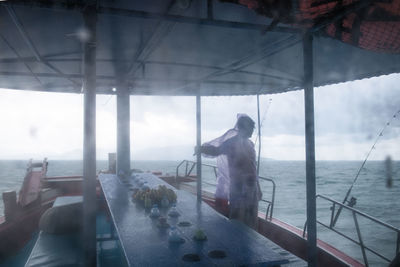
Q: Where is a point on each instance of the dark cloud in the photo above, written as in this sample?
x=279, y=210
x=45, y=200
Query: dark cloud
x=362, y=107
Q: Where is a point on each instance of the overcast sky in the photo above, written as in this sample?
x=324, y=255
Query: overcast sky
x=348, y=119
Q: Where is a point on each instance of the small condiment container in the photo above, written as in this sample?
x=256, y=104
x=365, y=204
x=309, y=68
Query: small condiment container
x=174, y=235
x=164, y=202
x=147, y=202
x=155, y=212
x=173, y=211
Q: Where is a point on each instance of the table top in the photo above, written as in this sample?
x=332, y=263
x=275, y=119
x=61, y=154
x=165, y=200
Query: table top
x=145, y=243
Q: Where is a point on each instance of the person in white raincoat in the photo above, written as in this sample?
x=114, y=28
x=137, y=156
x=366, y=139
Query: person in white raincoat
x=237, y=180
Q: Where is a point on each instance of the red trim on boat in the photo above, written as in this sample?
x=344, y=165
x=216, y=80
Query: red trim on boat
x=321, y=244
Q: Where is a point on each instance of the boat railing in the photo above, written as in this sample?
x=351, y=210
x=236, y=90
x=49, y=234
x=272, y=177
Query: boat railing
x=356, y=214
x=189, y=166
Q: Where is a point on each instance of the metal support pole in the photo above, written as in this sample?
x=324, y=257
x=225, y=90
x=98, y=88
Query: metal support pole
x=310, y=150
x=198, y=143
x=259, y=134
x=210, y=9
x=89, y=140
x=123, y=131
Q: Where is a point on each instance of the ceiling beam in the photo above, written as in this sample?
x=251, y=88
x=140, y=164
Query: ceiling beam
x=252, y=58
x=112, y=78
x=179, y=64
x=20, y=59
x=161, y=30
x=30, y=44
x=23, y=33
x=76, y=5
x=193, y=20
x=50, y=75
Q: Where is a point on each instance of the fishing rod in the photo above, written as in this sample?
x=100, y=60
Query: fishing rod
x=258, y=137
x=352, y=201
x=260, y=123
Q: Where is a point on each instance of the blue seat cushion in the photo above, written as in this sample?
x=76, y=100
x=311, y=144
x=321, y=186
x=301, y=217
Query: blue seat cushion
x=56, y=250
x=59, y=241
x=64, y=217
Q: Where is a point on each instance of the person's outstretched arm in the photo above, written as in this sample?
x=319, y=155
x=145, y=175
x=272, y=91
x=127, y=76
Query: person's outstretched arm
x=210, y=150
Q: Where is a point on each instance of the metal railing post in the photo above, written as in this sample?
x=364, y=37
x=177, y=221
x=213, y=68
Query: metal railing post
x=191, y=168
x=331, y=224
x=266, y=214
x=360, y=239
x=364, y=248
x=273, y=197
x=177, y=168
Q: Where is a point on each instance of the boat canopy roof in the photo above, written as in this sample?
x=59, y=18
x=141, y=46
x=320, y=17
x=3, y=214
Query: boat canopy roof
x=186, y=47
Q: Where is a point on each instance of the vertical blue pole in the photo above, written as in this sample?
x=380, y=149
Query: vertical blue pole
x=89, y=139
x=123, y=130
x=198, y=143
x=310, y=150
x=259, y=134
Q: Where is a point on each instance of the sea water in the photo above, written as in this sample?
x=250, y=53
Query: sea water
x=333, y=179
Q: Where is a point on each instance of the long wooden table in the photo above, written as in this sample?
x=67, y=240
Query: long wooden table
x=145, y=243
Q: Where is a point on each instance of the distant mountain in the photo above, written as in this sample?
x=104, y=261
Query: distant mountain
x=159, y=153
x=77, y=154
x=267, y=159
x=164, y=153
